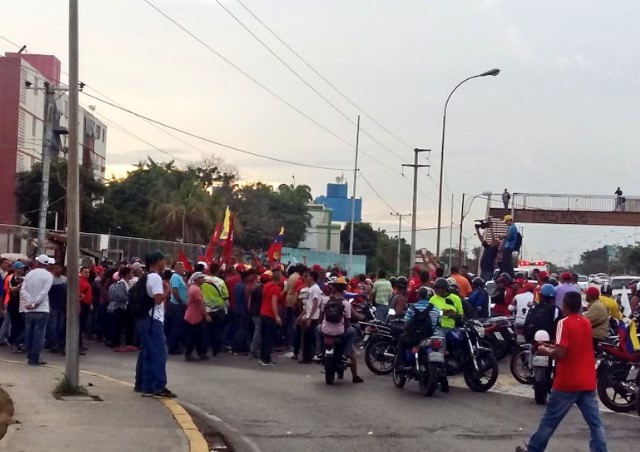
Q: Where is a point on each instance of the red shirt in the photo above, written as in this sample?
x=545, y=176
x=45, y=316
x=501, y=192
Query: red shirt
x=268, y=292
x=231, y=284
x=85, y=291
x=577, y=370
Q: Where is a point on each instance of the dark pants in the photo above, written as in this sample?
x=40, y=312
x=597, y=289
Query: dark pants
x=289, y=333
x=268, y=328
x=151, y=373
x=215, y=331
x=194, y=338
x=17, y=324
x=507, y=261
x=56, y=328
x=306, y=340
x=175, y=319
x=35, y=329
x=85, y=314
x=120, y=323
x=241, y=336
x=230, y=327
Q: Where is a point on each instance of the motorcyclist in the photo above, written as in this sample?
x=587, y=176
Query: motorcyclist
x=479, y=298
x=451, y=306
x=454, y=289
x=343, y=329
x=608, y=302
x=502, y=298
x=399, y=300
x=543, y=315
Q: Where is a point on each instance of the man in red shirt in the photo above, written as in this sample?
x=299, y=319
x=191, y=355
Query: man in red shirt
x=86, y=303
x=270, y=318
x=575, y=379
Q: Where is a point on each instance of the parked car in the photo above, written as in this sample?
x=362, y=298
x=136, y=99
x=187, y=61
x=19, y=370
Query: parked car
x=620, y=284
x=601, y=278
x=583, y=281
x=592, y=278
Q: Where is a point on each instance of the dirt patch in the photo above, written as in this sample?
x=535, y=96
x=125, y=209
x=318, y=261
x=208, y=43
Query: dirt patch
x=6, y=411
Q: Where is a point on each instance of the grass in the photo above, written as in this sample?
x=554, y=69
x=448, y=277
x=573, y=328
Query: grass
x=6, y=411
x=65, y=388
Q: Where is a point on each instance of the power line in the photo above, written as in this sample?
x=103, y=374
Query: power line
x=376, y=192
x=321, y=76
x=208, y=140
x=302, y=79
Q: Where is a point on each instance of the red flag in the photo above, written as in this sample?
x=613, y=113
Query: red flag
x=275, y=250
x=208, y=256
x=187, y=265
x=227, y=251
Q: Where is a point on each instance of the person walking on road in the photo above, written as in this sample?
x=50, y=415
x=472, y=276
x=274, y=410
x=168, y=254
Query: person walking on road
x=575, y=379
x=34, y=295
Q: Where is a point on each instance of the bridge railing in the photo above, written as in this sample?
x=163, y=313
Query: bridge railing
x=583, y=203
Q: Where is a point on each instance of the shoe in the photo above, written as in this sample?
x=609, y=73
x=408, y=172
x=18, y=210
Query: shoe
x=165, y=393
x=203, y=358
x=38, y=363
x=317, y=358
x=146, y=394
x=81, y=353
x=294, y=357
x=272, y=363
x=190, y=358
x=522, y=449
x=131, y=348
x=119, y=349
x=357, y=379
x=263, y=363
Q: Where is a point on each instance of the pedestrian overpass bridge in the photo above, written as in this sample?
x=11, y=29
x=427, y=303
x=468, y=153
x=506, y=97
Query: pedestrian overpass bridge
x=593, y=210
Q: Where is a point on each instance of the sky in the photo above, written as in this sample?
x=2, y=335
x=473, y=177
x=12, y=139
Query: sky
x=560, y=118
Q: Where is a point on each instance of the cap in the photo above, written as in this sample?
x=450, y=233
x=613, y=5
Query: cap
x=137, y=265
x=51, y=261
x=99, y=269
x=266, y=276
x=203, y=263
x=521, y=281
x=197, y=275
x=316, y=268
x=529, y=287
x=566, y=276
x=43, y=259
x=340, y=280
x=592, y=292
x=547, y=290
x=507, y=218
x=239, y=268
x=543, y=274
x=18, y=265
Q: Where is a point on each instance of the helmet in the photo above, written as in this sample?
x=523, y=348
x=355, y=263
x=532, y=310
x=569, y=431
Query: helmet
x=441, y=283
x=606, y=289
x=453, y=285
x=402, y=282
x=477, y=282
x=548, y=290
x=425, y=293
x=507, y=278
x=541, y=336
x=553, y=282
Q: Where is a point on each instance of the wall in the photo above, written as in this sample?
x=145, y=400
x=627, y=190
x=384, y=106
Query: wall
x=324, y=258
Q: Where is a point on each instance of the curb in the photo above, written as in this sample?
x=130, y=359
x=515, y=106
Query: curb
x=197, y=442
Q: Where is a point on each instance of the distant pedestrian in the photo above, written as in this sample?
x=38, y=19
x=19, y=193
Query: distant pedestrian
x=216, y=300
x=381, y=293
x=34, y=296
x=195, y=318
x=56, y=326
x=506, y=197
x=619, y=200
x=270, y=317
x=574, y=381
x=15, y=308
x=176, y=309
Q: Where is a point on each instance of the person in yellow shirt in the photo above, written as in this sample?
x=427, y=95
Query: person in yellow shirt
x=612, y=305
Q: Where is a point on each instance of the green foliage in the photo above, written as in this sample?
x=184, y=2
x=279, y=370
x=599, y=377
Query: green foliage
x=380, y=249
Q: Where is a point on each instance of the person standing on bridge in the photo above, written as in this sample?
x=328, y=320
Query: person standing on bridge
x=509, y=245
x=619, y=200
x=506, y=197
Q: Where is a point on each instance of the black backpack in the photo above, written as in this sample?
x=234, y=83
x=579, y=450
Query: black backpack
x=518, y=244
x=334, y=310
x=420, y=325
x=540, y=317
x=139, y=301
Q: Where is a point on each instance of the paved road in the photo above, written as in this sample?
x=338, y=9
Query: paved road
x=289, y=408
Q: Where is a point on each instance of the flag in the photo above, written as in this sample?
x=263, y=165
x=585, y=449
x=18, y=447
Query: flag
x=226, y=224
x=227, y=250
x=275, y=250
x=624, y=302
x=208, y=255
x=187, y=265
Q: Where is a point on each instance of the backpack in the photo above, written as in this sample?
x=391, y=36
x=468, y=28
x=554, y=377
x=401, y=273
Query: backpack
x=420, y=326
x=334, y=310
x=139, y=301
x=518, y=244
x=540, y=317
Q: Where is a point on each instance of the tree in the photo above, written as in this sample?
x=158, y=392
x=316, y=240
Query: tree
x=593, y=261
x=380, y=249
x=455, y=256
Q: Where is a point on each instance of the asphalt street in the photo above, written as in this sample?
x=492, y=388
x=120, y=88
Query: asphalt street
x=289, y=408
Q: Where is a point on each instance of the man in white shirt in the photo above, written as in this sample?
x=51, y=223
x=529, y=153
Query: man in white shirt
x=312, y=304
x=151, y=372
x=34, y=295
x=522, y=303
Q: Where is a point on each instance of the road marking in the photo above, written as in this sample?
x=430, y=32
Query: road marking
x=197, y=443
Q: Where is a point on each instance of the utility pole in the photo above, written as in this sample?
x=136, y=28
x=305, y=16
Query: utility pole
x=353, y=199
x=72, y=371
x=47, y=143
x=415, y=167
x=460, y=237
x=451, y=233
x=399, y=215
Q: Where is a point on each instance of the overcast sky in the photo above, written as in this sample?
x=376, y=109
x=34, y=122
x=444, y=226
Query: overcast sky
x=562, y=116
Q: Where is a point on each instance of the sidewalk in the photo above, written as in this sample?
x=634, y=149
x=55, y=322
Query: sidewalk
x=121, y=421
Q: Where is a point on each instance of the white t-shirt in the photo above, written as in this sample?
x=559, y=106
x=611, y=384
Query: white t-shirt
x=524, y=301
x=154, y=287
x=314, y=293
x=35, y=289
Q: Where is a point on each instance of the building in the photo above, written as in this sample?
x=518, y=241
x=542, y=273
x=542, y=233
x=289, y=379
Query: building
x=339, y=202
x=22, y=110
x=323, y=234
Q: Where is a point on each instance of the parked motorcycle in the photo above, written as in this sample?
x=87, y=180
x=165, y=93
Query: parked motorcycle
x=521, y=366
x=499, y=336
x=381, y=345
x=618, y=375
x=465, y=355
x=424, y=363
x=333, y=361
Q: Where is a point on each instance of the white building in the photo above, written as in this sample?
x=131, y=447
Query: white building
x=322, y=234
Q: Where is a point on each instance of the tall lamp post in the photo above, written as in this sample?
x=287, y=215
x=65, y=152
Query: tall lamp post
x=493, y=72
x=463, y=215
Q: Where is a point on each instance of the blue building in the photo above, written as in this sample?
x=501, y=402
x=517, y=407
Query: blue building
x=339, y=202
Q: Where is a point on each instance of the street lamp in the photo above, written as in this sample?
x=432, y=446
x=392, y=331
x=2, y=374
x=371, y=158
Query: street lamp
x=492, y=72
x=463, y=215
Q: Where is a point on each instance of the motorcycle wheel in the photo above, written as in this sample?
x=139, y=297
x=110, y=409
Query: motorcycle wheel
x=520, y=367
x=428, y=379
x=399, y=377
x=540, y=386
x=374, y=356
x=638, y=402
x=613, y=391
x=483, y=380
x=329, y=373
x=500, y=349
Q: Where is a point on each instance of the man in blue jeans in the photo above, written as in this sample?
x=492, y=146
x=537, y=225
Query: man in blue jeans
x=34, y=295
x=575, y=379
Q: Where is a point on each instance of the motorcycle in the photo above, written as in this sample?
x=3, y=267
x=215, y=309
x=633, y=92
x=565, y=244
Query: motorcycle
x=333, y=361
x=543, y=369
x=499, y=336
x=424, y=363
x=465, y=355
x=381, y=341
x=521, y=366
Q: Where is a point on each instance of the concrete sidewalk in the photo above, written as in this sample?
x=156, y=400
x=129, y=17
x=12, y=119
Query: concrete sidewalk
x=117, y=420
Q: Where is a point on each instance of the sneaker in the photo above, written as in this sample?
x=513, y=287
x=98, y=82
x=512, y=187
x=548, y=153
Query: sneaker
x=522, y=449
x=37, y=363
x=263, y=363
x=357, y=379
x=165, y=393
x=272, y=363
x=317, y=358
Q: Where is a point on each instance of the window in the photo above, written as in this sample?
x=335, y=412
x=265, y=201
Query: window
x=104, y=133
x=98, y=129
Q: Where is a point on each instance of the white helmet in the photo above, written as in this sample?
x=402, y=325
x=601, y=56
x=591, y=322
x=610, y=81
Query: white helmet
x=541, y=336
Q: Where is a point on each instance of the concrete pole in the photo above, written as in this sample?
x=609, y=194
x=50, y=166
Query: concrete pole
x=353, y=200
x=47, y=142
x=72, y=371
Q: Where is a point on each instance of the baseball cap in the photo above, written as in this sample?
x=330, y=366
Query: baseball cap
x=197, y=275
x=507, y=218
x=137, y=265
x=266, y=276
x=529, y=287
x=565, y=276
x=521, y=281
x=18, y=265
x=99, y=269
x=51, y=261
x=43, y=259
x=239, y=268
x=316, y=268
x=543, y=274
x=592, y=292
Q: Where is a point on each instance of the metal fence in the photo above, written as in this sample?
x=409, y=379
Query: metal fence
x=584, y=203
x=23, y=240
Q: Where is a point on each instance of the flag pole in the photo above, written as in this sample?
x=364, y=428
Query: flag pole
x=353, y=199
